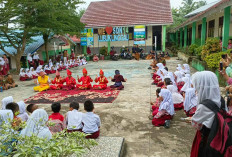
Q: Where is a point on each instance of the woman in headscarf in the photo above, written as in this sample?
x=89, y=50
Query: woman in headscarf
x=190, y=102
x=29, y=74
x=207, y=87
x=176, y=97
x=39, y=68
x=157, y=74
x=164, y=73
x=34, y=73
x=166, y=109
x=22, y=111
x=186, y=69
x=36, y=125
x=6, y=101
x=187, y=84
x=43, y=82
x=30, y=60
x=118, y=79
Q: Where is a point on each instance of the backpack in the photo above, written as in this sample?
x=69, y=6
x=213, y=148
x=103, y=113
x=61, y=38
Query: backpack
x=219, y=142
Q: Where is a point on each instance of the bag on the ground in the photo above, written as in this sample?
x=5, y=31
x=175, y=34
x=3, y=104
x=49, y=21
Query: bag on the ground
x=219, y=142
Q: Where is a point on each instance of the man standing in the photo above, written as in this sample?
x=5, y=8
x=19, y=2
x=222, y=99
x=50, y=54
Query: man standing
x=6, y=66
x=65, y=56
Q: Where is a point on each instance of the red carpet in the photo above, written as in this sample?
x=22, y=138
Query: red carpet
x=80, y=96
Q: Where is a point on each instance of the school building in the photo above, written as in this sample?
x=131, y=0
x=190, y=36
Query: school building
x=211, y=20
x=120, y=23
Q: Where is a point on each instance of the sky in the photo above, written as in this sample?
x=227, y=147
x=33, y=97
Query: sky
x=174, y=3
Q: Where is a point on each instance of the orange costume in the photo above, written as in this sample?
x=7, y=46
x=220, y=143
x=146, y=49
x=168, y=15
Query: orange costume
x=102, y=81
x=57, y=83
x=70, y=81
x=85, y=81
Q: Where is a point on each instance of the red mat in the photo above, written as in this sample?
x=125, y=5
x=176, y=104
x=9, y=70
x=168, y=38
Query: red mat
x=80, y=96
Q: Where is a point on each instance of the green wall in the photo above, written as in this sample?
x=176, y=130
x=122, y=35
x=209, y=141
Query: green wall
x=52, y=53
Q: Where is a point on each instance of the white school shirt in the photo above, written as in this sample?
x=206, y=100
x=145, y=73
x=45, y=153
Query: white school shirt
x=91, y=122
x=74, y=120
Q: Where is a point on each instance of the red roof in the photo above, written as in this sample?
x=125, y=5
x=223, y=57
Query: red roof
x=127, y=13
x=75, y=39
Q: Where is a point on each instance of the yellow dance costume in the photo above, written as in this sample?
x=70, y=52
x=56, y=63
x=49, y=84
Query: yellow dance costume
x=43, y=84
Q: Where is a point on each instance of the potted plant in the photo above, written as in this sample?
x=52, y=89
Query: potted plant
x=103, y=52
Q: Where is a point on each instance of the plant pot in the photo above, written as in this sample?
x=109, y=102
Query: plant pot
x=101, y=57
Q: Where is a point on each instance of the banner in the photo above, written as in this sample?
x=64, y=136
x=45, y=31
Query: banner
x=113, y=34
x=83, y=41
x=139, y=35
x=87, y=37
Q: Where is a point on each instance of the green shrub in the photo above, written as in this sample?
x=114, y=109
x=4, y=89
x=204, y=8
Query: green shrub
x=192, y=49
x=198, y=52
x=212, y=45
x=198, y=42
x=103, y=51
x=213, y=60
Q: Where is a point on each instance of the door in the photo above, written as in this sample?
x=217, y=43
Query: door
x=157, y=33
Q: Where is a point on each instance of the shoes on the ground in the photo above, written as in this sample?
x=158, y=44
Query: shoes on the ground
x=149, y=68
x=153, y=83
x=150, y=117
x=167, y=124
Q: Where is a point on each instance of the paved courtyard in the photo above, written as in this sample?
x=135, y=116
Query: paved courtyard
x=128, y=115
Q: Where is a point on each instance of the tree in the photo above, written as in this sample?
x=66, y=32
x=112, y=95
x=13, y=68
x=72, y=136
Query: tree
x=179, y=13
x=16, y=27
x=58, y=17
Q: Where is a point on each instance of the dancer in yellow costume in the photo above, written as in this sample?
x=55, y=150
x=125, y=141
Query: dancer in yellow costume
x=43, y=81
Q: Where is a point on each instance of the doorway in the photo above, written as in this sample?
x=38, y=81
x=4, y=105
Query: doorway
x=157, y=33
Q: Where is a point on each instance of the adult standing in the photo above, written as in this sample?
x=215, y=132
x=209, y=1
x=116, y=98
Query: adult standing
x=6, y=66
x=36, y=60
x=30, y=60
x=207, y=87
x=2, y=62
x=65, y=56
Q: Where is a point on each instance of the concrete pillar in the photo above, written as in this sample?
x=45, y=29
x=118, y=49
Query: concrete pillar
x=163, y=38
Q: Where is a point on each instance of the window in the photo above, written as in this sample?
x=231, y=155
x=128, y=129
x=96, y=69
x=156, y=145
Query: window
x=199, y=30
x=220, y=28
x=131, y=33
x=95, y=31
x=211, y=28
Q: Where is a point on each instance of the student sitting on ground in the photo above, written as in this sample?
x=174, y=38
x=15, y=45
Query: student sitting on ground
x=10, y=81
x=165, y=112
x=86, y=81
x=31, y=108
x=190, y=102
x=6, y=101
x=74, y=118
x=34, y=73
x=179, y=81
x=47, y=70
x=91, y=121
x=56, y=118
x=15, y=109
x=3, y=84
x=176, y=97
x=155, y=104
x=23, y=76
x=22, y=111
x=36, y=125
x=118, y=79
x=102, y=81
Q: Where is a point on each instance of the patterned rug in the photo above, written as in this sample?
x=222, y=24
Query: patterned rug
x=61, y=96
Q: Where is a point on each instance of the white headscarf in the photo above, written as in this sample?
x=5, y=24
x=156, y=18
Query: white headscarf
x=6, y=101
x=167, y=103
x=190, y=100
x=165, y=73
x=22, y=73
x=5, y=115
x=36, y=125
x=178, y=76
x=172, y=78
x=22, y=109
x=36, y=56
x=186, y=68
x=57, y=66
x=28, y=72
x=160, y=66
x=187, y=85
x=33, y=72
x=46, y=67
x=29, y=58
x=2, y=62
x=207, y=87
x=50, y=63
x=177, y=98
x=39, y=68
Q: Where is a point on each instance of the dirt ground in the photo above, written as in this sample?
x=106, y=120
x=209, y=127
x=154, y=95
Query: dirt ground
x=128, y=115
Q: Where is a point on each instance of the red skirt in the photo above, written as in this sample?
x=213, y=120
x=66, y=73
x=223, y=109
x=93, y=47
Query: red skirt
x=191, y=112
x=79, y=130
x=161, y=121
x=196, y=144
x=160, y=84
x=178, y=106
x=23, y=78
x=93, y=135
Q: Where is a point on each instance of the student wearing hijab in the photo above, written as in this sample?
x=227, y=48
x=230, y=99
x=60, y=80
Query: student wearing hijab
x=23, y=76
x=47, y=69
x=176, y=97
x=30, y=60
x=39, y=68
x=6, y=101
x=36, y=125
x=179, y=80
x=164, y=114
x=164, y=73
x=118, y=79
x=207, y=87
x=186, y=69
x=29, y=74
x=34, y=73
x=190, y=102
x=187, y=84
x=157, y=74
x=22, y=111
